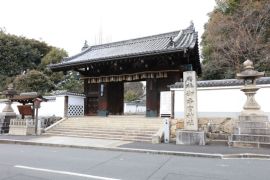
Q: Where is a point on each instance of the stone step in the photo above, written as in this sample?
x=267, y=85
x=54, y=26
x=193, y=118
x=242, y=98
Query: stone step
x=137, y=139
x=252, y=124
x=249, y=144
x=254, y=118
x=108, y=125
x=110, y=128
x=104, y=134
x=251, y=138
x=93, y=129
x=111, y=124
x=103, y=128
x=114, y=120
x=252, y=131
x=118, y=123
x=126, y=133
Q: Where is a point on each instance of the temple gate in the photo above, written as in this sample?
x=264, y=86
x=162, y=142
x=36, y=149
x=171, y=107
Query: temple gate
x=159, y=60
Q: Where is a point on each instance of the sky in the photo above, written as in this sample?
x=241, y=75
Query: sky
x=68, y=23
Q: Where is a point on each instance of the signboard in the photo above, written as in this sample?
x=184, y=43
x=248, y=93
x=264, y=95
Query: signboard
x=165, y=104
x=25, y=110
x=190, y=101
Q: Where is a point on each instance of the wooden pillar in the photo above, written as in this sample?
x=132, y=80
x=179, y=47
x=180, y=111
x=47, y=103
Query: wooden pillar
x=152, y=104
x=65, y=106
x=85, y=86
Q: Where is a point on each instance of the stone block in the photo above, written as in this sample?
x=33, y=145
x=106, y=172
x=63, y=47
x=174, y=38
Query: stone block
x=254, y=131
x=151, y=113
x=22, y=130
x=252, y=124
x=253, y=118
x=190, y=137
x=251, y=138
x=156, y=139
x=103, y=113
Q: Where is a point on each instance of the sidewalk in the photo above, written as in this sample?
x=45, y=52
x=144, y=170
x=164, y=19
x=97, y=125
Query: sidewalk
x=213, y=150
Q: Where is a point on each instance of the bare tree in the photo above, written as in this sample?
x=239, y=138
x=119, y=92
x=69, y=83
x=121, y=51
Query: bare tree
x=237, y=30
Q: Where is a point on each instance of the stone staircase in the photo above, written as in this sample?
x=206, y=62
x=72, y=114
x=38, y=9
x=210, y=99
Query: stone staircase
x=128, y=128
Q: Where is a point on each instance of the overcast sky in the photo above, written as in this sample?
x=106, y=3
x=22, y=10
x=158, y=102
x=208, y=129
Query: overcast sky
x=67, y=23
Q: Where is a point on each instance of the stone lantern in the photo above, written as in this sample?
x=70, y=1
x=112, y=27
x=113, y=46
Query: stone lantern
x=9, y=93
x=252, y=127
x=7, y=113
x=249, y=75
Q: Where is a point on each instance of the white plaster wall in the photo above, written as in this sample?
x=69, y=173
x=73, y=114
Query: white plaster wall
x=52, y=107
x=49, y=108
x=76, y=100
x=132, y=108
x=221, y=101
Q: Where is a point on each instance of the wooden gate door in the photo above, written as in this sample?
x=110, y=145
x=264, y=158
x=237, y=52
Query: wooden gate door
x=92, y=104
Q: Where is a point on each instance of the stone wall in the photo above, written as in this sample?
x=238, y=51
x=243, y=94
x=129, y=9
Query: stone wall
x=215, y=127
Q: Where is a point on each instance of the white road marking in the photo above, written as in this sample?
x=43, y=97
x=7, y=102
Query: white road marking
x=64, y=172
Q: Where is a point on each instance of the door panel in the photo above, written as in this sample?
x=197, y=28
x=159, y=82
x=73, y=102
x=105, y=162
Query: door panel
x=92, y=104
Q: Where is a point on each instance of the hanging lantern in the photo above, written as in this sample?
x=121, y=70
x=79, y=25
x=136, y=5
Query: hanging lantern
x=143, y=76
x=135, y=77
x=111, y=79
x=129, y=78
x=93, y=80
x=120, y=78
x=165, y=75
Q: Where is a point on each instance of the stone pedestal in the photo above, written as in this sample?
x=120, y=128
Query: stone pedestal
x=190, y=137
x=252, y=131
x=5, y=121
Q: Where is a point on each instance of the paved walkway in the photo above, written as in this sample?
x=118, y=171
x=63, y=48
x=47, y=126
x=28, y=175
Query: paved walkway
x=214, y=150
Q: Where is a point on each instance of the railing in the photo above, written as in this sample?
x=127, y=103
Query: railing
x=22, y=122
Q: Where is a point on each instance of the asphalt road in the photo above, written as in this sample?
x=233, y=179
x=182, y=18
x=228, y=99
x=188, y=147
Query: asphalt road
x=21, y=162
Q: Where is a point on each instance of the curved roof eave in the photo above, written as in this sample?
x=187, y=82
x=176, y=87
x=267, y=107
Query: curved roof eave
x=66, y=65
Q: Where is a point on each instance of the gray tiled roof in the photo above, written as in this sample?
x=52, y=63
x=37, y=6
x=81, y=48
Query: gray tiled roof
x=162, y=43
x=224, y=82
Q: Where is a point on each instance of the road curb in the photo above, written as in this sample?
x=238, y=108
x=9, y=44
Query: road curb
x=149, y=151
x=246, y=156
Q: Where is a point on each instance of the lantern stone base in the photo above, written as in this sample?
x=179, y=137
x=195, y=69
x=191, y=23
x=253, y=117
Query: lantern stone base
x=190, y=137
x=5, y=121
x=251, y=131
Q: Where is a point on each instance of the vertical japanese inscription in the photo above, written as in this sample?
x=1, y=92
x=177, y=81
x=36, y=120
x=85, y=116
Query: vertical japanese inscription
x=190, y=101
